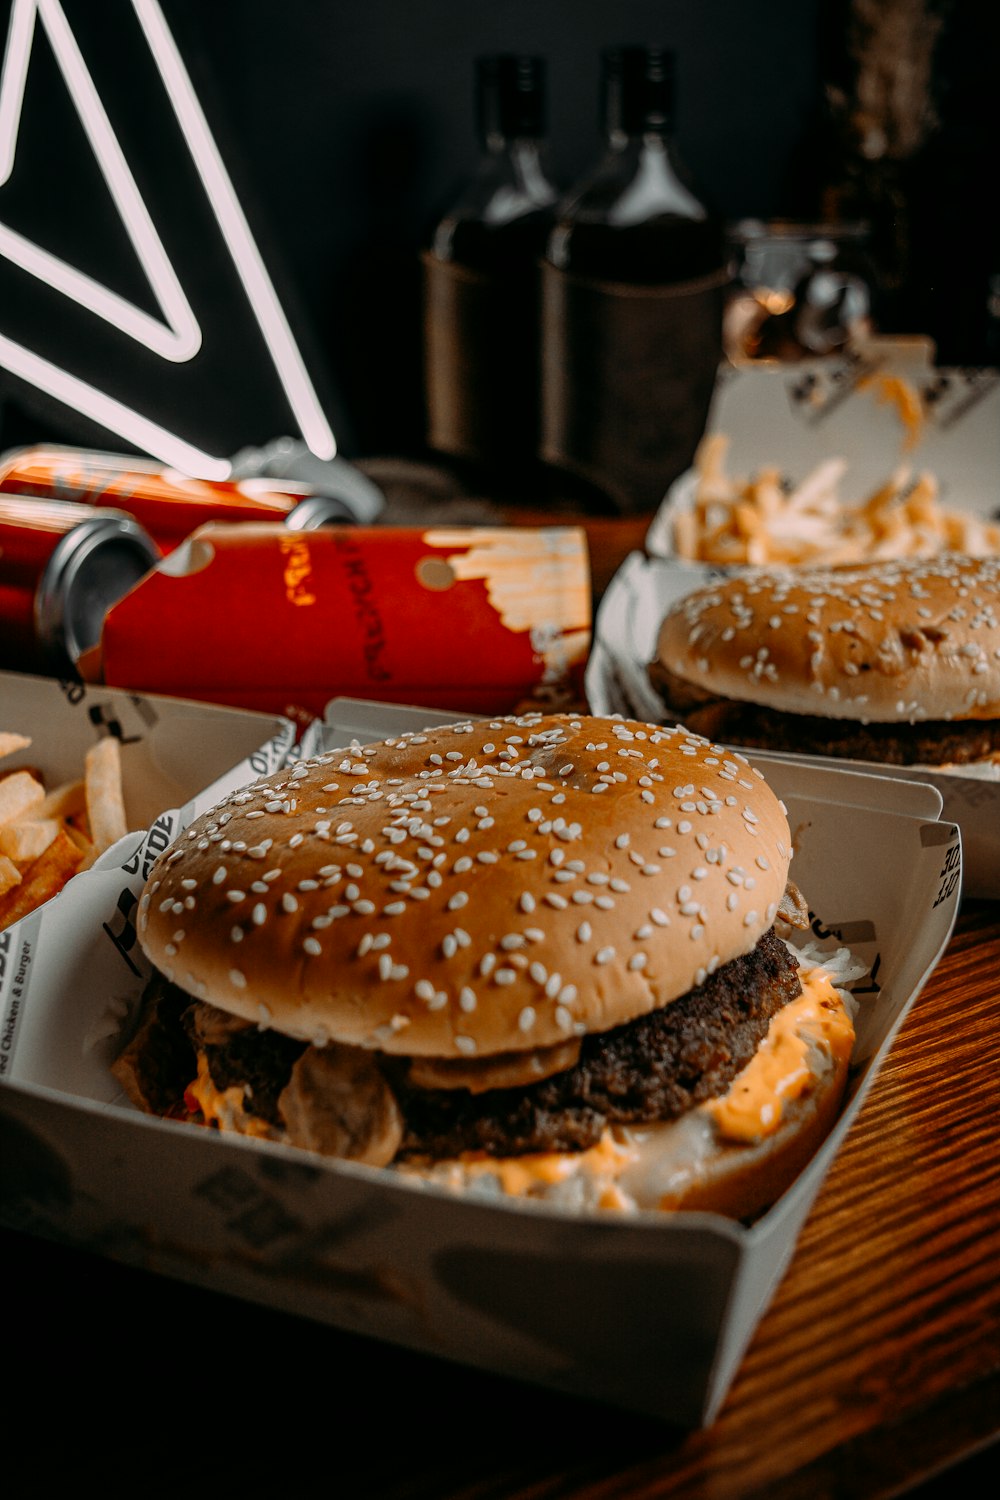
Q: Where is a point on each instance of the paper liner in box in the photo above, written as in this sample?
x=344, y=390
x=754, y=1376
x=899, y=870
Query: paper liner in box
x=467, y=618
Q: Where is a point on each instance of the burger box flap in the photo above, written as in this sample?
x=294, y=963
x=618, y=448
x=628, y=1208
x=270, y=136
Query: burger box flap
x=794, y=416
x=175, y=753
x=652, y=1312
x=617, y=681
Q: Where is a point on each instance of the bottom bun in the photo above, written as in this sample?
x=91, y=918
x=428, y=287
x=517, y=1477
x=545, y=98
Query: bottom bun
x=735, y=1155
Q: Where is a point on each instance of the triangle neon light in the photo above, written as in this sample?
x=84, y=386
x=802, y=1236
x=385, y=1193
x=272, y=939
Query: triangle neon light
x=178, y=337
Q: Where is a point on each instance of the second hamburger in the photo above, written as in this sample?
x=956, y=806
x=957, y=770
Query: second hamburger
x=896, y=662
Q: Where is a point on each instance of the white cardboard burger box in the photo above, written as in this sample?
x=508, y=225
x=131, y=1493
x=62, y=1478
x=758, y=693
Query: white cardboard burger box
x=652, y=1312
x=617, y=681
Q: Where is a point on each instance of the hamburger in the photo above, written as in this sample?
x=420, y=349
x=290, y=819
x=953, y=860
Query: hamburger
x=897, y=662
x=534, y=955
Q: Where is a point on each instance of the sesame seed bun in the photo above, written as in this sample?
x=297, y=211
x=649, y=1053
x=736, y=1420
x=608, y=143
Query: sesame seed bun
x=897, y=642
x=487, y=887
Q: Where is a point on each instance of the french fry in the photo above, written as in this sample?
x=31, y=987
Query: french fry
x=20, y=794
x=26, y=839
x=66, y=801
x=10, y=743
x=105, y=801
x=48, y=835
x=43, y=878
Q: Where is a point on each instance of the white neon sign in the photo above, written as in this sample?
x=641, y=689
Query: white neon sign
x=177, y=337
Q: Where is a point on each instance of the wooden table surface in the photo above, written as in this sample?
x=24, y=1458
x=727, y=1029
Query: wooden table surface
x=876, y=1367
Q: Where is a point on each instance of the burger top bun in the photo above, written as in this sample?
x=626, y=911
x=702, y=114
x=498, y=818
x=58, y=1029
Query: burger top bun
x=896, y=641
x=491, y=886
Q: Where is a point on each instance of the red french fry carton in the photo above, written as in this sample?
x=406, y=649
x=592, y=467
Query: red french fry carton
x=467, y=619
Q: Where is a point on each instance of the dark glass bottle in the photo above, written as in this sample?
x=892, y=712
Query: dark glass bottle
x=481, y=279
x=633, y=286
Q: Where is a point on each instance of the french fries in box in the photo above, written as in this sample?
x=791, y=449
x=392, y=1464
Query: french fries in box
x=763, y=519
x=877, y=454
x=47, y=836
x=82, y=767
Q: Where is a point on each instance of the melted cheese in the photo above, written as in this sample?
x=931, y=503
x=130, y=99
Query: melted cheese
x=779, y=1071
x=651, y=1166
x=224, y=1108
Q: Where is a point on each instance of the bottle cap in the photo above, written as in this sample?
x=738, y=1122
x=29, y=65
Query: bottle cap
x=638, y=90
x=510, y=92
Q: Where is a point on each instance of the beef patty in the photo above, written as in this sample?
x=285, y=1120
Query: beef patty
x=653, y=1068
x=929, y=742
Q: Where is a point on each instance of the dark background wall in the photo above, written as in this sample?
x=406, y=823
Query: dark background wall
x=347, y=124
x=358, y=121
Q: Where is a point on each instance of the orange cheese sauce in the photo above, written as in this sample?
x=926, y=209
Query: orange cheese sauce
x=521, y=1175
x=779, y=1070
x=221, y=1107
x=636, y=1166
